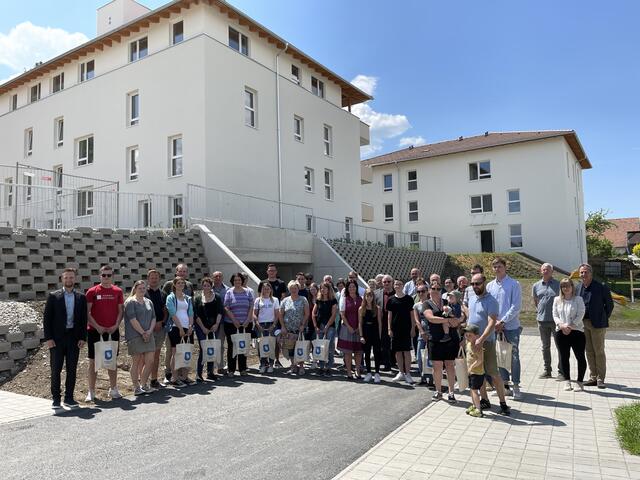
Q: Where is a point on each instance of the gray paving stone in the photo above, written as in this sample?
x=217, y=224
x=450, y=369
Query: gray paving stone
x=6, y=365
x=18, y=354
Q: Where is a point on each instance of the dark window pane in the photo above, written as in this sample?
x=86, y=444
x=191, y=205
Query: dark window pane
x=487, y=203
x=473, y=171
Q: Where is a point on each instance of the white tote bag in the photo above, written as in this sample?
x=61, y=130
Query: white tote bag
x=106, y=354
x=427, y=367
x=462, y=373
x=503, y=352
x=211, y=350
x=184, y=354
x=320, y=350
x=241, y=342
x=267, y=344
x=301, y=350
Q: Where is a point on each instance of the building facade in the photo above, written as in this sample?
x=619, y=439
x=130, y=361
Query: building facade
x=193, y=93
x=497, y=192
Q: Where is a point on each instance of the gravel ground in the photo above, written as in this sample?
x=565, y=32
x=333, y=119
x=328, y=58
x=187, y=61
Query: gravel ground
x=15, y=313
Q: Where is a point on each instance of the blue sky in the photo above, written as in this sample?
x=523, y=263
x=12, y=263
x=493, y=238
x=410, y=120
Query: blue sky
x=443, y=69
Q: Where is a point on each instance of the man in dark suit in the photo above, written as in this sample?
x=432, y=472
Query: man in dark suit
x=598, y=307
x=65, y=331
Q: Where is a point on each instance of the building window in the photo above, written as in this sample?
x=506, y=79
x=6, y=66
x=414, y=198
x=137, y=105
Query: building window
x=58, y=83
x=177, y=220
x=298, y=128
x=414, y=239
x=515, y=236
x=57, y=178
x=387, y=182
x=13, y=102
x=309, y=219
x=87, y=70
x=144, y=214
x=513, y=197
x=348, y=228
x=295, y=74
x=175, y=156
x=28, y=142
x=479, y=170
x=238, y=41
x=308, y=180
x=177, y=32
x=250, y=108
x=412, y=180
x=84, y=202
x=58, y=128
x=317, y=87
x=138, y=49
x=413, y=211
x=389, y=240
x=132, y=164
x=85, y=151
x=8, y=192
x=133, y=108
x=327, y=137
x=28, y=182
x=388, y=212
x=328, y=184
x=35, y=93
x=481, y=204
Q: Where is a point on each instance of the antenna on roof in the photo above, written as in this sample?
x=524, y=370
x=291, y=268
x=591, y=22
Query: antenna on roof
x=460, y=138
x=486, y=134
x=410, y=147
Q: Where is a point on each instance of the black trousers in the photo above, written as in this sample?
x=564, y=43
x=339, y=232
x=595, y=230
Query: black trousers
x=372, y=342
x=66, y=352
x=230, y=329
x=574, y=341
x=387, y=357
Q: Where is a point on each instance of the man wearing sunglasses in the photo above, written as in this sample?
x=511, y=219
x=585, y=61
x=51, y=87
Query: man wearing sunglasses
x=105, y=308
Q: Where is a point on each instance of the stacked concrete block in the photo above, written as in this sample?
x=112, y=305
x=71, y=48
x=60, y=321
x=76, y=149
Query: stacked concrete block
x=397, y=262
x=31, y=260
x=15, y=346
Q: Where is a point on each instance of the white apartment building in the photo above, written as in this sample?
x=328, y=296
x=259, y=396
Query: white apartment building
x=192, y=93
x=502, y=192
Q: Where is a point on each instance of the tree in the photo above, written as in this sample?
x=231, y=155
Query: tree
x=596, y=225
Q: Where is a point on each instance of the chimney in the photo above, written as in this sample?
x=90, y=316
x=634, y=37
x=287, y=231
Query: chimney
x=486, y=134
x=117, y=13
x=460, y=138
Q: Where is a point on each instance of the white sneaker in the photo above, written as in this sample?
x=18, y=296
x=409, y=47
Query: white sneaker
x=138, y=391
x=409, y=379
x=579, y=387
x=568, y=387
x=367, y=378
x=517, y=394
x=149, y=389
x=114, y=393
x=91, y=397
x=376, y=378
x=399, y=377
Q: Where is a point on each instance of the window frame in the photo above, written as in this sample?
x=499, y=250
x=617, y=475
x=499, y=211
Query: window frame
x=348, y=228
x=251, y=110
x=309, y=222
x=8, y=192
x=329, y=193
x=413, y=212
x=13, y=102
x=513, y=236
x=386, y=189
x=131, y=120
x=389, y=240
x=411, y=181
x=58, y=132
x=58, y=178
x=309, y=180
x=145, y=209
x=414, y=239
x=27, y=180
x=176, y=220
x=387, y=218
x=85, y=73
x=177, y=38
x=28, y=142
x=296, y=77
x=243, y=41
x=88, y=202
x=298, y=128
x=88, y=160
x=176, y=159
x=318, y=89
x=60, y=81
x=327, y=140
x=137, y=50
x=481, y=209
x=131, y=175
x=514, y=202
x=476, y=172
x=38, y=92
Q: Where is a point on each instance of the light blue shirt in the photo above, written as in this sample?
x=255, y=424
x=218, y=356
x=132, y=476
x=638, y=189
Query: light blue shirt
x=409, y=288
x=69, y=302
x=480, y=309
x=509, y=296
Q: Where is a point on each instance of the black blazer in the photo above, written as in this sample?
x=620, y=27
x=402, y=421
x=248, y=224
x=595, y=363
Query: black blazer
x=55, y=316
x=600, y=304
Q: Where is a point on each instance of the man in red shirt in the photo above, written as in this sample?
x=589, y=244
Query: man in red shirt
x=105, y=308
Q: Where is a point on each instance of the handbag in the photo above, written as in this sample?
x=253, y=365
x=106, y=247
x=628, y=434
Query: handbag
x=320, y=350
x=301, y=349
x=211, y=349
x=241, y=342
x=106, y=354
x=462, y=373
x=427, y=367
x=184, y=354
x=503, y=352
x=267, y=346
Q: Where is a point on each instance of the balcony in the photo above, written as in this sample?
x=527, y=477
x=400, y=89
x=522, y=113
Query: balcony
x=366, y=174
x=367, y=212
x=364, y=134
x=479, y=219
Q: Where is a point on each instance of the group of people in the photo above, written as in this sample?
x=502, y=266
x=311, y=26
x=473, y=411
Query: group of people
x=387, y=321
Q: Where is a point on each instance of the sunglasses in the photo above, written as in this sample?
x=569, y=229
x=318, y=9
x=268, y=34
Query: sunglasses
x=476, y=284
x=435, y=289
x=421, y=291
x=106, y=275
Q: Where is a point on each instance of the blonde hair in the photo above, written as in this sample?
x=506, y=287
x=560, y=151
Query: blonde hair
x=567, y=281
x=330, y=295
x=363, y=306
x=132, y=294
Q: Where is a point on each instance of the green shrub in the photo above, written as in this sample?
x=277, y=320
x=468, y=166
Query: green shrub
x=628, y=428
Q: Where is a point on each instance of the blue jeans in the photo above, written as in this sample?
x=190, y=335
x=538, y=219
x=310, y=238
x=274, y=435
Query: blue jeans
x=513, y=337
x=331, y=334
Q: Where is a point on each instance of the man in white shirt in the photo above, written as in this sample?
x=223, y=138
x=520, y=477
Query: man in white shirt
x=410, y=286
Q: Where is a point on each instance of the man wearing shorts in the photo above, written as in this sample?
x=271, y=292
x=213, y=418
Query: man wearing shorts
x=105, y=309
x=158, y=298
x=483, y=312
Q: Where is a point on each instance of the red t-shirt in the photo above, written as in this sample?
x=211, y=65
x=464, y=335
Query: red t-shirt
x=104, y=304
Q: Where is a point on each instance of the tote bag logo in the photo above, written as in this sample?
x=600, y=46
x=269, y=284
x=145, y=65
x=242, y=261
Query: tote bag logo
x=318, y=350
x=241, y=344
x=210, y=351
x=266, y=348
x=300, y=351
x=108, y=354
x=187, y=356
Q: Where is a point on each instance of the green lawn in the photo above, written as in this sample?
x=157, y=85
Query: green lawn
x=628, y=429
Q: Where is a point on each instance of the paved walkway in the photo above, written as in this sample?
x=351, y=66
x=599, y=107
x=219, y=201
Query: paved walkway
x=551, y=433
x=21, y=407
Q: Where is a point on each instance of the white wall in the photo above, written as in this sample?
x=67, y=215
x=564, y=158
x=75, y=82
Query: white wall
x=537, y=169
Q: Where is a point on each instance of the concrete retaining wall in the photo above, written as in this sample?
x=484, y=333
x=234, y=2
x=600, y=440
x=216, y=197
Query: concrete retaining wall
x=15, y=346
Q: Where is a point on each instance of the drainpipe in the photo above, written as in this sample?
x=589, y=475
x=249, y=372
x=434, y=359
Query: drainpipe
x=399, y=200
x=279, y=146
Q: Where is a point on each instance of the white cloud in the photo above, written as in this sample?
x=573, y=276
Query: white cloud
x=382, y=126
x=408, y=141
x=26, y=44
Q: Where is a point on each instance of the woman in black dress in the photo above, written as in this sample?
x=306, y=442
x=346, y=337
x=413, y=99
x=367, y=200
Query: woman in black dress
x=441, y=351
x=400, y=323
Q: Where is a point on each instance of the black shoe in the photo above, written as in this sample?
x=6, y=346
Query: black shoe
x=70, y=403
x=211, y=376
x=451, y=398
x=504, y=409
x=156, y=384
x=327, y=373
x=560, y=377
x=199, y=379
x=56, y=405
x=445, y=339
x=167, y=376
x=590, y=383
x=545, y=374
x=485, y=404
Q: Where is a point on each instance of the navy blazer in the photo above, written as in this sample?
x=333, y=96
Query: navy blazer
x=600, y=304
x=55, y=316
